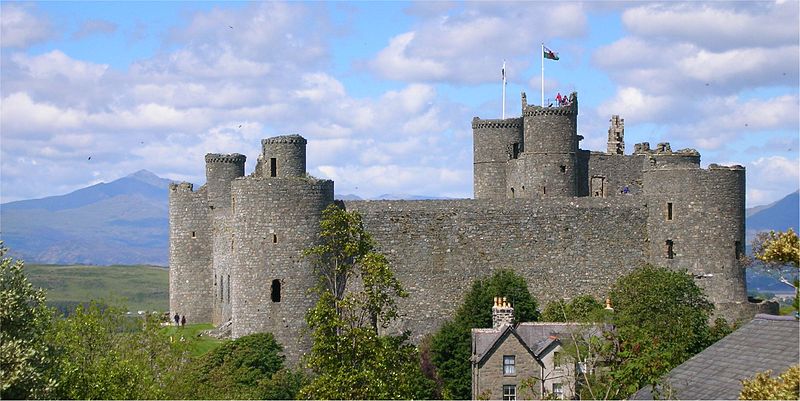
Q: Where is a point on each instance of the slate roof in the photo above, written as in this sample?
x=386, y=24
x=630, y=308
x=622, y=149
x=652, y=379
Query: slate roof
x=766, y=342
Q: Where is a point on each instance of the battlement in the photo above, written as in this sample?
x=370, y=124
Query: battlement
x=292, y=138
x=181, y=187
x=233, y=158
x=532, y=111
x=478, y=123
x=735, y=167
x=662, y=149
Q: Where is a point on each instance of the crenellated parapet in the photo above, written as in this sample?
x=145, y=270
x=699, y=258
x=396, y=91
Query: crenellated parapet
x=478, y=123
x=233, y=158
x=181, y=187
x=291, y=138
x=534, y=111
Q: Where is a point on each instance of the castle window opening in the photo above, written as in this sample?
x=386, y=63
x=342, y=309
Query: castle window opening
x=544, y=190
x=563, y=168
x=275, y=294
x=515, y=150
x=737, y=249
x=194, y=235
x=273, y=167
x=670, y=251
x=512, y=192
x=669, y=210
x=274, y=238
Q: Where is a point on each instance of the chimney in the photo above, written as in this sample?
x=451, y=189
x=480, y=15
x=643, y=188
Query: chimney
x=502, y=313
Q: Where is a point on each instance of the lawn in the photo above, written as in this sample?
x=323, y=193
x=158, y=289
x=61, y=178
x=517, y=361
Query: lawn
x=136, y=288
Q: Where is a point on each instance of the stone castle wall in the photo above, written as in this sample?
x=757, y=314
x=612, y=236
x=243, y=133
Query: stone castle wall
x=566, y=248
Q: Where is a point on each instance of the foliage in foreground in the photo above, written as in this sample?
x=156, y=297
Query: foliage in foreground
x=250, y=367
x=780, y=254
x=24, y=324
x=451, y=345
x=349, y=358
x=765, y=387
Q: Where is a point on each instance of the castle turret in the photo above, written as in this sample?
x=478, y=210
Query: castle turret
x=548, y=164
x=495, y=142
x=616, y=136
x=221, y=170
x=696, y=222
x=190, y=253
x=283, y=156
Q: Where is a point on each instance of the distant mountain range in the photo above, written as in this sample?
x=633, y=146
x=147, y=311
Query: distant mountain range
x=126, y=222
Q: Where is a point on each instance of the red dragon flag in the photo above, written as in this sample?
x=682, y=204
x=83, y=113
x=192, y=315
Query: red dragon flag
x=549, y=54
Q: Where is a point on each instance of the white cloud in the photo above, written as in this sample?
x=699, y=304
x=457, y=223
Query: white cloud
x=634, y=104
x=771, y=178
x=58, y=66
x=20, y=27
x=21, y=116
x=94, y=27
x=393, y=62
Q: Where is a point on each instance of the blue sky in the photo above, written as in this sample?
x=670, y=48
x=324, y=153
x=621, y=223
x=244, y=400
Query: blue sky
x=383, y=91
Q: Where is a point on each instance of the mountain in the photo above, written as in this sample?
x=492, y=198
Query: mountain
x=121, y=222
x=778, y=216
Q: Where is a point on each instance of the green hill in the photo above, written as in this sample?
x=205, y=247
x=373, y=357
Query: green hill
x=139, y=288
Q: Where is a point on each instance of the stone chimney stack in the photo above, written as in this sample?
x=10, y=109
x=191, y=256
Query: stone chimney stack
x=502, y=313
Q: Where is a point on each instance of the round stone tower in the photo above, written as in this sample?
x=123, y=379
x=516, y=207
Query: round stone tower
x=190, y=253
x=283, y=156
x=273, y=221
x=695, y=222
x=548, y=167
x=221, y=170
x=494, y=142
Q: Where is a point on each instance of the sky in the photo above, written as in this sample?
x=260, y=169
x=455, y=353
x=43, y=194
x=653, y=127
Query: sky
x=384, y=91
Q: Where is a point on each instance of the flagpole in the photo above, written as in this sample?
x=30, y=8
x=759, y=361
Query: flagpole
x=504, y=89
x=542, y=54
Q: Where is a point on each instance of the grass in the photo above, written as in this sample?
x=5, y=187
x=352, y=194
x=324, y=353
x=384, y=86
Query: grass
x=136, y=288
x=198, y=345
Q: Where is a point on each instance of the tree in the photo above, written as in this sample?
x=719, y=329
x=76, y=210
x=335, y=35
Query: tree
x=661, y=319
x=24, y=324
x=764, y=387
x=349, y=357
x=451, y=346
x=244, y=368
x=780, y=254
x=583, y=308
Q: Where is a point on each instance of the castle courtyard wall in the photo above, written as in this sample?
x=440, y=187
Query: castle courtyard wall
x=563, y=248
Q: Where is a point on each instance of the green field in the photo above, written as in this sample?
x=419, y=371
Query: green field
x=133, y=287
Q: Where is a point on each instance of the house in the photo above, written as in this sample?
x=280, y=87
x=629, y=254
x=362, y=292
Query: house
x=524, y=361
x=765, y=343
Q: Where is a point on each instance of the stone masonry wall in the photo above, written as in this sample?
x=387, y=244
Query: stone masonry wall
x=190, y=253
x=563, y=248
x=493, y=147
x=274, y=220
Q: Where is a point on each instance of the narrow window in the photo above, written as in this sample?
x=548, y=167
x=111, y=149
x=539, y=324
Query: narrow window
x=273, y=167
x=563, y=168
x=276, y=291
x=509, y=392
x=515, y=151
x=558, y=391
x=512, y=192
x=274, y=238
x=670, y=251
x=557, y=360
x=737, y=249
x=229, y=288
x=669, y=211
x=194, y=235
x=509, y=365
x=215, y=284
x=544, y=190
x=221, y=287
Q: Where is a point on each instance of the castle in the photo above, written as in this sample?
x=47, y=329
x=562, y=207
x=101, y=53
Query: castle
x=569, y=220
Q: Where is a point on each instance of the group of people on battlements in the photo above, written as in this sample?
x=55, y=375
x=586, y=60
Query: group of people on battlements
x=562, y=100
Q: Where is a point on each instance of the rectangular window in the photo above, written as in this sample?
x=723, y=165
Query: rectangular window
x=509, y=365
x=737, y=249
x=558, y=391
x=515, y=151
x=273, y=167
x=669, y=211
x=670, y=250
x=557, y=360
x=509, y=392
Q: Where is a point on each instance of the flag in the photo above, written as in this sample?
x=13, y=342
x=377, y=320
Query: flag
x=549, y=54
x=503, y=71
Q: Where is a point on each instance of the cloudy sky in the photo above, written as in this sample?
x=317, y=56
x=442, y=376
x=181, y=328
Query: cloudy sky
x=384, y=92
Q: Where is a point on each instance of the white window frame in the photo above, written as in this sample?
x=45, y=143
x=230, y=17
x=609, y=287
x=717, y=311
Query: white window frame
x=509, y=365
x=509, y=392
x=558, y=390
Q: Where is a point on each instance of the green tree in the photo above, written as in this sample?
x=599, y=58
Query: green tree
x=451, y=344
x=780, y=254
x=349, y=358
x=583, y=308
x=661, y=319
x=103, y=354
x=765, y=387
x=24, y=324
x=243, y=368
